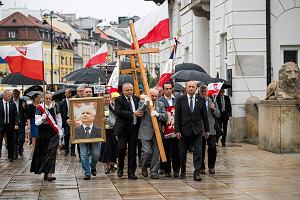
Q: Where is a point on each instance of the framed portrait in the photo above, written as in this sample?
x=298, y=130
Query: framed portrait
x=87, y=120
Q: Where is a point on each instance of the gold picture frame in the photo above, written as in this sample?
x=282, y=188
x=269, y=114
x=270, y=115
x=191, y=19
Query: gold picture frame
x=87, y=112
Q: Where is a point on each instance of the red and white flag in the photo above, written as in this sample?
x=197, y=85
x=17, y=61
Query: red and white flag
x=99, y=57
x=114, y=79
x=214, y=88
x=154, y=27
x=27, y=60
x=167, y=70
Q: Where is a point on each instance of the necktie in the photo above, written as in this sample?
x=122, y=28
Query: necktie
x=87, y=130
x=191, y=104
x=6, y=113
x=223, y=103
x=129, y=101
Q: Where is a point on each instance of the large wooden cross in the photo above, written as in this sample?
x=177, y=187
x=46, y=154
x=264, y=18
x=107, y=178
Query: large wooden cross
x=136, y=53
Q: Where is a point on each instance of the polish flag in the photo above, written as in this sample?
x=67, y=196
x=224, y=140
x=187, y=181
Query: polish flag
x=99, y=57
x=27, y=60
x=154, y=27
x=114, y=79
x=167, y=71
x=214, y=89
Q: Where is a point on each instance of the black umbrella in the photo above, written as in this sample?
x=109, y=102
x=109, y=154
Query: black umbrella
x=186, y=75
x=60, y=94
x=179, y=87
x=33, y=88
x=86, y=75
x=19, y=79
x=188, y=66
x=226, y=84
x=31, y=93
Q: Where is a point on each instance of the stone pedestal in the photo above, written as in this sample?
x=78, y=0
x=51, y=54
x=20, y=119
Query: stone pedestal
x=279, y=126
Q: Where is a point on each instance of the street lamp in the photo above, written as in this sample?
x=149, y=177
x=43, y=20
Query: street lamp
x=45, y=14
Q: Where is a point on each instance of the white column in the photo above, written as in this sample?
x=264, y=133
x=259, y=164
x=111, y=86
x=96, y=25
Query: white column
x=201, y=42
x=212, y=41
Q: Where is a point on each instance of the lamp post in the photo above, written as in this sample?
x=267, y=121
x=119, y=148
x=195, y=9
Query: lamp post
x=45, y=14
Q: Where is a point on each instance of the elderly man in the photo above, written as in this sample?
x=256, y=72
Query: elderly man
x=126, y=128
x=190, y=117
x=212, y=113
x=8, y=123
x=79, y=92
x=146, y=133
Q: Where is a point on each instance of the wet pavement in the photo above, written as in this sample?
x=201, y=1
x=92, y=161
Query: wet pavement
x=242, y=172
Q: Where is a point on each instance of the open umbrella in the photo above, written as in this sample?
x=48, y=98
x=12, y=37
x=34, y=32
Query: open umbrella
x=188, y=66
x=31, y=93
x=86, y=75
x=33, y=88
x=186, y=75
x=178, y=87
x=60, y=94
x=19, y=79
x=225, y=85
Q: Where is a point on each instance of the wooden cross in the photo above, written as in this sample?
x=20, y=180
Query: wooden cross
x=136, y=53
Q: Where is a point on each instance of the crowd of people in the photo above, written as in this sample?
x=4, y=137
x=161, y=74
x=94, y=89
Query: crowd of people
x=188, y=122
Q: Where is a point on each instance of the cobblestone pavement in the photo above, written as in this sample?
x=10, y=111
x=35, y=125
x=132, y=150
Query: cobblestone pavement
x=242, y=172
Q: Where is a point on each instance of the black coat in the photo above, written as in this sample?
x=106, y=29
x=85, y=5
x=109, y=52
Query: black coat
x=228, y=110
x=22, y=112
x=80, y=133
x=13, y=114
x=124, y=115
x=190, y=123
x=64, y=112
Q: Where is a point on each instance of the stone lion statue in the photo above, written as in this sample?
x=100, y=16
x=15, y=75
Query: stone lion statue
x=288, y=85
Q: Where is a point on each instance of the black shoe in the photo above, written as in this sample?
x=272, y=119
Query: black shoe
x=46, y=177
x=51, y=178
x=21, y=154
x=120, y=172
x=197, y=176
x=94, y=172
x=167, y=174
x=202, y=171
x=11, y=160
x=107, y=171
x=176, y=175
x=154, y=176
x=132, y=177
x=182, y=175
x=73, y=154
x=86, y=177
x=15, y=157
x=212, y=171
x=144, y=172
x=66, y=153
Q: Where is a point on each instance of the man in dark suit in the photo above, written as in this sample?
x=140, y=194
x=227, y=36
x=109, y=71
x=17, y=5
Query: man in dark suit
x=126, y=128
x=171, y=143
x=19, y=137
x=190, y=117
x=224, y=105
x=93, y=132
x=64, y=109
x=8, y=123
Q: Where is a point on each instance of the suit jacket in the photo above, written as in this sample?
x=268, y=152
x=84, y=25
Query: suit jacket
x=165, y=101
x=146, y=128
x=191, y=123
x=228, y=110
x=124, y=115
x=22, y=112
x=212, y=116
x=64, y=112
x=13, y=115
x=80, y=133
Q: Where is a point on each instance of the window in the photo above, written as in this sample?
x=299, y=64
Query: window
x=12, y=34
x=66, y=61
x=62, y=60
x=70, y=63
x=290, y=56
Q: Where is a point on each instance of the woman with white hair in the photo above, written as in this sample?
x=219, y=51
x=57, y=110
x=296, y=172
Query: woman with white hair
x=48, y=120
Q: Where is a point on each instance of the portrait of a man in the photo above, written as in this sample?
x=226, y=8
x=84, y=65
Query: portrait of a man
x=87, y=129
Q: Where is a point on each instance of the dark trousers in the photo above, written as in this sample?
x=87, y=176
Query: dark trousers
x=184, y=143
x=131, y=140
x=19, y=139
x=67, y=137
x=211, y=151
x=9, y=130
x=171, y=146
x=223, y=123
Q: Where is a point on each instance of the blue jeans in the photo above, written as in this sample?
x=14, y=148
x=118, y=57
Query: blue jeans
x=87, y=165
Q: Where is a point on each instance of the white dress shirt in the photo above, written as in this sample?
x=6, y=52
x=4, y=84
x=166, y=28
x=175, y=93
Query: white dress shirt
x=4, y=106
x=17, y=104
x=133, y=109
x=170, y=100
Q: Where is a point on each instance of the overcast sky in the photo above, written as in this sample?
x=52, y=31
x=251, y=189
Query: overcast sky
x=101, y=9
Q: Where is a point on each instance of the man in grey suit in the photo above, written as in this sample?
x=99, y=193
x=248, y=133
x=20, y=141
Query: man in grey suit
x=213, y=113
x=146, y=134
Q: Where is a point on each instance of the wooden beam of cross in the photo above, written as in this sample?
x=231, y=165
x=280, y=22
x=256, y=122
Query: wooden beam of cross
x=137, y=53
